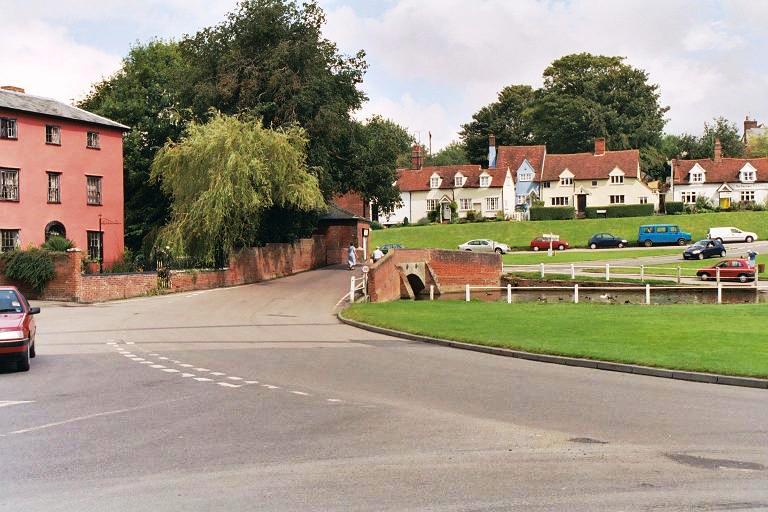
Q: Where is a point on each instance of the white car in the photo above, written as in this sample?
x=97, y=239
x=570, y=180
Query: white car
x=484, y=246
x=731, y=234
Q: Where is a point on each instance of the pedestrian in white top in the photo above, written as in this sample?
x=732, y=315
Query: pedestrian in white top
x=351, y=256
x=377, y=254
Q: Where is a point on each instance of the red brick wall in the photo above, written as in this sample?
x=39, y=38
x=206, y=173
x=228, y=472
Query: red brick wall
x=354, y=203
x=453, y=270
x=338, y=237
x=65, y=284
x=103, y=287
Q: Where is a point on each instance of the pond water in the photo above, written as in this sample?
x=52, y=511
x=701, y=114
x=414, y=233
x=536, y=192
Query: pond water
x=608, y=296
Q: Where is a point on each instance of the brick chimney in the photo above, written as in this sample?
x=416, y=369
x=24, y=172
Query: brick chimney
x=718, y=150
x=491, y=151
x=417, y=160
x=600, y=146
x=12, y=88
x=749, y=124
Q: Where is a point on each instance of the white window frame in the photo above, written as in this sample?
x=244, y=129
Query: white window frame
x=93, y=190
x=492, y=204
x=560, y=201
x=688, y=197
x=9, y=128
x=485, y=181
x=566, y=181
x=643, y=200
x=54, y=187
x=748, y=176
x=434, y=182
x=458, y=181
x=617, y=179
x=750, y=193
x=618, y=199
x=465, y=204
x=53, y=134
x=697, y=177
x=432, y=205
x=545, y=184
x=9, y=184
x=92, y=140
x=7, y=235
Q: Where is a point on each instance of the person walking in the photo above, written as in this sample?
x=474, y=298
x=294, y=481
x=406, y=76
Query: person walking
x=377, y=254
x=351, y=256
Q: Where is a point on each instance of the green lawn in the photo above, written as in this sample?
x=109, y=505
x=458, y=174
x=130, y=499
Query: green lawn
x=577, y=232
x=534, y=258
x=725, y=339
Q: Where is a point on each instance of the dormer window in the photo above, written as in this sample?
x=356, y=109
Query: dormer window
x=485, y=181
x=697, y=177
x=526, y=176
x=566, y=180
x=748, y=174
x=434, y=182
x=458, y=180
x=617, y=180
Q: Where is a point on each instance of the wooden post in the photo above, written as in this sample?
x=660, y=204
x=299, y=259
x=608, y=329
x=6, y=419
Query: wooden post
x=642, y=272
x=509, y=293
x=717, y=274
x=648, y=294
x=541, y=270
x=352, y=290
x=719, y=292
x=576, y=293
x=679, y=274
x=431, y=292
x=466, y=293
x=607, y=271
x=573, y=271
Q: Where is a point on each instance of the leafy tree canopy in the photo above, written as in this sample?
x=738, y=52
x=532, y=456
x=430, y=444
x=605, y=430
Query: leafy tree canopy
x=758, y=146
x=223, y=176
x=452, y=154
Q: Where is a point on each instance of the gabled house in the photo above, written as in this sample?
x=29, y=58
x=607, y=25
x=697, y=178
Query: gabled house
x=526, y=163
x=487, y=192
x=723, y=181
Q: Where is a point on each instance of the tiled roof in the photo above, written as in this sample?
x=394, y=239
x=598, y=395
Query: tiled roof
x=411, y=180
x=725, y=170
x=588, y=166
x=39, y=105
x=337, y=213
x=512, y=157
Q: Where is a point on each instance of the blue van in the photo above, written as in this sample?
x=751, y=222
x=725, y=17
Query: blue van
x=651, y=234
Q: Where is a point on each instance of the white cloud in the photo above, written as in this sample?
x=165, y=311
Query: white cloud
x=713, y=36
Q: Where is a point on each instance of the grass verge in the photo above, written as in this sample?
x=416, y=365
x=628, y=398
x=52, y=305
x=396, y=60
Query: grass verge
x=724, y=339
x=534, y=258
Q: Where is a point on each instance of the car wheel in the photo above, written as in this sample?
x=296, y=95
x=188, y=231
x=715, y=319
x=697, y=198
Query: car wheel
x=722, y=254
x=499, y=251
x=681, y=241
x=32, y=352
x=561, y=247
x=535, y=248
x=704, y=276
x=593, y=246
x=621, y=245
x=22, y=365
x=743, y=278
x=701, y=255
x=648, y=243
x=749, y=240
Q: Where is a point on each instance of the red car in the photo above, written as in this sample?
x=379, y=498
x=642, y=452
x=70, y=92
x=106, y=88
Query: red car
x=541, y=243
x=17, y=327
x=737, y=268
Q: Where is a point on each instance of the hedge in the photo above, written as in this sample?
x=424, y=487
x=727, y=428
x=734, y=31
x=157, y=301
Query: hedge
x=552, y=212
x=622, y=210
x=33, y=267
x=673, y=207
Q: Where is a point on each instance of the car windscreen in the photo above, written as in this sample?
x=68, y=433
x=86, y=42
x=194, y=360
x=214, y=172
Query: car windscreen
x=702, y=243
x=10, y=302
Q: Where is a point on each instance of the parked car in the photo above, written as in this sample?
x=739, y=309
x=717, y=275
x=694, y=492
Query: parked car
x=545, y=241
x=651, y=234
x=386, y=247
x=737, y=268
x=602, y=240
x=704, y=249
x=731, y=234
x=17, y=327
x=484, y=246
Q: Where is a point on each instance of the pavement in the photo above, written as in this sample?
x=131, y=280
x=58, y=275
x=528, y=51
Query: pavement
x=257, y=398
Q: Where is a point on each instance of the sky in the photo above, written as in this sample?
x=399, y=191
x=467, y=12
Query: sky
x=433, y=63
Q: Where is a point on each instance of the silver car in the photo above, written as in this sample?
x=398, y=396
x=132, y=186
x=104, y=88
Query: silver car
x=483, y=245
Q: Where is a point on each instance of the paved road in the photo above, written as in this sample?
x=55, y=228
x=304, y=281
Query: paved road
x=256, y=398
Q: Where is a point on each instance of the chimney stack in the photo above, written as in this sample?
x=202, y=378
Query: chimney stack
x=599, y=145
x=491, y=151
x=12, y=88
x=416, y=159
x=718, y=150
x=749, y=124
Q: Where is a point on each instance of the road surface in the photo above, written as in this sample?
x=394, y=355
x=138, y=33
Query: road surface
x=256, y=398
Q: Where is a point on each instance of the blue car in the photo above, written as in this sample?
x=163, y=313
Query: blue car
x=659, y=234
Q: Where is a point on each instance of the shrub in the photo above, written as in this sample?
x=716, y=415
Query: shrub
x=454, y=212
x=58, y=244
x=424, y=221
x=471, y=216
x=500, y=215
x=433, y=216
x=673, y=207
x=703, y=204
x=552, y=212
x=126, y=263
x=33, y=267
x=376, y=225
x=624, y=210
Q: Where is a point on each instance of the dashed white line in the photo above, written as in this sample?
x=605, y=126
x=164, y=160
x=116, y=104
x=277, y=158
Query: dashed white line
x=269, y=386
x=186, y=365
x=157, y=366
x=129, y=343
x=187, y=374
x=163, y=358
x=153, y=354
x=235, y=378
x=171, y=370
x=228, y=385
x=202, y=369
x=218, y=374
x=147, y=362
x=333, y=400
x=301, y=393
x=203, y=379
x=251, y=382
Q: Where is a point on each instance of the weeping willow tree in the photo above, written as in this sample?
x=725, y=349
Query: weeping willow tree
x=224, y=176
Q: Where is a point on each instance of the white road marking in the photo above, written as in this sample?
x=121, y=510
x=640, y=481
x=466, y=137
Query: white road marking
x=187, y=374
x=268, y=386
x=8, y=403
x=300, y=393
x=202, y=369
x=218, y=374
x=111, y=343
x=163, y=358
x=235, y=378
x=153, y=354
x=333, y=400
x=129, y=343
x=186, y=365
x=228, y=385
x=203, y=379
x=171, y=370
x=157, y=366
x=147, y=362
x=175, y=361
x=138, y=359
x=251, y=382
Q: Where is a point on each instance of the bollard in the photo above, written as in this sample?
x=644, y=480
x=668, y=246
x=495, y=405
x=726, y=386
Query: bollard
x=717, y=273
x=679, y=274
x=466, y=294
x=642, y=272
x=719, y=293
x=573, y=271
x=431, y=292
x=757, y=271
x=509, y=293
x=647, y=294
x=607, y=271
x=541, y=269
x=576, y=293
x=352, y=290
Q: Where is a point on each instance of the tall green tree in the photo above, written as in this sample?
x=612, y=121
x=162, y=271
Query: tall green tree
x=758, y=146
x=223, y=176
x=451, y=154
x=144, y=96
x=504, y=118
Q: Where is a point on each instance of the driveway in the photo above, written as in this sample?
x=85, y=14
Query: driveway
x=256, y=398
